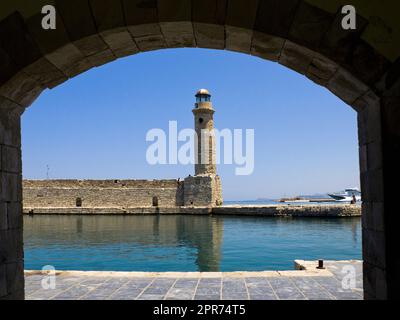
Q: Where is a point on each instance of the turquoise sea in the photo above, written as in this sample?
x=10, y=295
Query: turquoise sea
x=186, y=243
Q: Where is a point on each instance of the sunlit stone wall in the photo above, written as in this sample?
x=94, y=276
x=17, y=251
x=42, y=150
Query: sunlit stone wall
x=102, y=193
x=204, y=190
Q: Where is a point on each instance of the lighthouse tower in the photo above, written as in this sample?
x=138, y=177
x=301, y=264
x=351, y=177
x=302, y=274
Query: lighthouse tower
x=204, y=125
x=204, y=188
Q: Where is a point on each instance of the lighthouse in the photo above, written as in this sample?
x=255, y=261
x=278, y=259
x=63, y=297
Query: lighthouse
x=204, y=125
x=204, y=188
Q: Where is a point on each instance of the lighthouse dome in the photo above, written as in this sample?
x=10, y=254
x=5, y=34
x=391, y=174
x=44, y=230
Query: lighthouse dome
x=203, y=92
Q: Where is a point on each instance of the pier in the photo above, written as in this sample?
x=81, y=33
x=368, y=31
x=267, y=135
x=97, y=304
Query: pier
x=280, y=210
x=305, y=283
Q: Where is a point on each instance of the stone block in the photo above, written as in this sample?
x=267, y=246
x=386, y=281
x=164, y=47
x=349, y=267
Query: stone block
x=11, y=187
x=69, y=60
x=15, y=278
x=78, y=67
x=348, y=88
x=101, y=58
x=174, y=11
x=138, y=12
x=372, y=185
x=65, y=56
x=374, y=247
x=16, y=41
x=366, y=63
x=390, y=83
x=55, y=83
x=44, y=72
x=374, y=155
x=274, y=17
x=242, y=14
x=321, y=69
x=178, y=34
x=391, y=116
x=14, y=215
x=369, y=98
x=202, y=12
x=309, y=25
x=369, y=122
x=31, y=96
x=3, y=216
x=11, y=246
x=209, y=35
x=152, y=42
x=77, y=17
x=120, y=42
x=296, y=57
x=11, y=159
x=3, y=280
x=80, y=26
x=91, y=45
x=10, y=125
x=362, y=152
x=145, y=30
x=266, y=47
x=238, y=39
x=8, y=106
x=375, y=282
x=7, y=66
x=108, y=14
x=22, y=89
x=373, y=216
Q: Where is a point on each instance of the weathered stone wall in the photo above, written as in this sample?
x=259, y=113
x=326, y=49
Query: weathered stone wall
x=202, y=191
x=234, y=210
x=102, y=193
x=11, y=242
x=206, y=148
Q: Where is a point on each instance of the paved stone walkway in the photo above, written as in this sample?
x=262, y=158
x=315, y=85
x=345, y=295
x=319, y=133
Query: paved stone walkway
x=310, y=284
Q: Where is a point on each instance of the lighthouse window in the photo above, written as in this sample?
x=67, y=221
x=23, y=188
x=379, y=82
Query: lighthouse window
x=201, y=120
x=203, y=99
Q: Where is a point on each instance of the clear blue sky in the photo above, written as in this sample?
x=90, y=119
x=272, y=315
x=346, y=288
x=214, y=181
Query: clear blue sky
x=94, y=126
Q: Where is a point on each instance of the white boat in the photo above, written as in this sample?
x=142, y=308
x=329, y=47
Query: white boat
x=346, y=195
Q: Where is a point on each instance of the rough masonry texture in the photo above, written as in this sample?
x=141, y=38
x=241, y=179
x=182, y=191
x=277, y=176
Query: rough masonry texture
x=193, y=191
x=102, y=193
x=359, y=66
x=324, y=211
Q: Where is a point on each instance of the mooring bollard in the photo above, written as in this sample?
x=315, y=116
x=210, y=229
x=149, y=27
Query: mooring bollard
x=320, y=264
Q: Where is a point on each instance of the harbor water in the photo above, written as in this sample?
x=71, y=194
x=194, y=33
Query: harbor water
x=186, y=243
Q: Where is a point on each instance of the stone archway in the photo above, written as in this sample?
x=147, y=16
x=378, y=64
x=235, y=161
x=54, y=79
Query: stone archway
x=360, y=66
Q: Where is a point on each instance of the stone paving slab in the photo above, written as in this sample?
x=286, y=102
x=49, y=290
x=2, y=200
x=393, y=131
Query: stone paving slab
x=341, y=280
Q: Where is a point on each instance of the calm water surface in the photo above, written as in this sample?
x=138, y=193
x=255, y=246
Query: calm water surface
x=185, y=243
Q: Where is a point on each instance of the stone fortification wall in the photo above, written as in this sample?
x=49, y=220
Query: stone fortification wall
x=102, y=193
x=203, y=190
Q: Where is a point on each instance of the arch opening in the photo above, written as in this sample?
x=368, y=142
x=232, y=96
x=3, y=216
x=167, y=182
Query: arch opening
x=50, y=60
